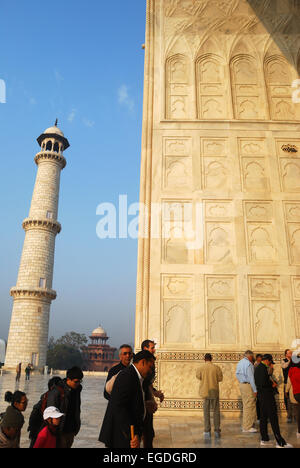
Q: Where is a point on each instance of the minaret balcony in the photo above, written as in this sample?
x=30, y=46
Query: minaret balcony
x=33, y=293
x=51, y=155
x=44, y=224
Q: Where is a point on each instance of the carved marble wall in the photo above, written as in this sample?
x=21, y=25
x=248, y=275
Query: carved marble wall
x=221, y=157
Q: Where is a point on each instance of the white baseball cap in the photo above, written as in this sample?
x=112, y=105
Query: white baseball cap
x=52, y=412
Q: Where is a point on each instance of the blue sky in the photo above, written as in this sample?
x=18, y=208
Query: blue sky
x=80, y=62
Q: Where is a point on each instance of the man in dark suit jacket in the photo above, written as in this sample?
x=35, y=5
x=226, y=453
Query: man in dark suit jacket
x=126, y=406
x=151, y=405
x=125, y=354
x=268, y=410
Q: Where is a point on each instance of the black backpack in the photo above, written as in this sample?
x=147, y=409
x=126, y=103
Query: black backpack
x=36, y=419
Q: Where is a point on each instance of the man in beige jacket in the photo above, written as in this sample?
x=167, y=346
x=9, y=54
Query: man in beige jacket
x=210, y=376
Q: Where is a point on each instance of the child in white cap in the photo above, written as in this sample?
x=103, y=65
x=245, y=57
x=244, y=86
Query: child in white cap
x=48, y=435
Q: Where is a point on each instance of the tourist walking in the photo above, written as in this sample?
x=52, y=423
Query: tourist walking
x=47, y=437
x=68, y=401
x=268, y=408
x=294, y=378
x=18, y=371
x=18, y=404
x=210, y=375
x=285, y=366
x=126, y=406
x=36, y=419
x=28, y=370
x=245, y=376
x=125, y=354
x=150, y=394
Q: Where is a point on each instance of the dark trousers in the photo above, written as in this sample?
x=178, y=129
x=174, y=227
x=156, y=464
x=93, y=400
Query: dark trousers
x=288, y=404
x=297, y=397
x=268, y=411
x=148, y=431
x=257, y=409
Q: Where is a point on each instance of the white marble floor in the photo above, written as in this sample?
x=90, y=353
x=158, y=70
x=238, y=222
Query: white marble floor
x=171, y=432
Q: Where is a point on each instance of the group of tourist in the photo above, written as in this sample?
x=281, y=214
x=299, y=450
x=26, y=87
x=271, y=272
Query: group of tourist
x=54, y=420
x=128, y=422
x=258, y=388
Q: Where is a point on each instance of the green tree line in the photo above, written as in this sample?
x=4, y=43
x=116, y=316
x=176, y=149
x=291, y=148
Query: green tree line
x=66, y=351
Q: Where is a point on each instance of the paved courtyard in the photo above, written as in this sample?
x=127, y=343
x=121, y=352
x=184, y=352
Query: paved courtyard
x=175, y=432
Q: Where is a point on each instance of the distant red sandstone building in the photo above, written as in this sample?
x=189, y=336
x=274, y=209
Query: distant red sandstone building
x=99, y=356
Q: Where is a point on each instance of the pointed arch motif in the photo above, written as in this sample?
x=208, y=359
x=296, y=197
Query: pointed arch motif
x=248, y=102
x=177, y=87
x=210, y=79
x=279, y=78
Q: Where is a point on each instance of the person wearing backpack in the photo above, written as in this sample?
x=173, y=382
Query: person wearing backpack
x=36, y=417
x=70, y=405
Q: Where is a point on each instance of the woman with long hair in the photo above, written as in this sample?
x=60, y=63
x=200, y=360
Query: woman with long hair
x=18, y=403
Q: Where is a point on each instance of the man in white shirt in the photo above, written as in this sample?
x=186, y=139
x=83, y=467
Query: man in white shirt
x=245, y=376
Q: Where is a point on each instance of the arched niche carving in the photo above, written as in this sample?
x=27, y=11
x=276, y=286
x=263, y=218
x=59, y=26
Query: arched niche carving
x=248, y=103
x=210, y=79
x=279, y=78
x=178, y=87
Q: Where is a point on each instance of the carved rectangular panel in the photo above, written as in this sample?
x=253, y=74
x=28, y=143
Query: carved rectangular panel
x=177, y=286
x=292, y=221
x=255, y=177
x=260, y=232
x=219, y=243
x=219, y=231
x=220, y=309
x=178, y=87
x=288, y=152
x=296, y=301
x=211, y=97
x=177, y=163
x=177, y=296
x=177, y=321
x=264, y=292
x=215, y=164
x=252, y=147
x=174, y=146
x=177, y=231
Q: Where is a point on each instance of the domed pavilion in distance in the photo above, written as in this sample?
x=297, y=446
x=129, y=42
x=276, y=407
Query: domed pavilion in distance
x=99, y=356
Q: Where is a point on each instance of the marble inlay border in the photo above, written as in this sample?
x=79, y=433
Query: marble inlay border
x=225, y=405
x=217, y=357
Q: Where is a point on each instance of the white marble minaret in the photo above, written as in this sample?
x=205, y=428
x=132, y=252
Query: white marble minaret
x=33, y=294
